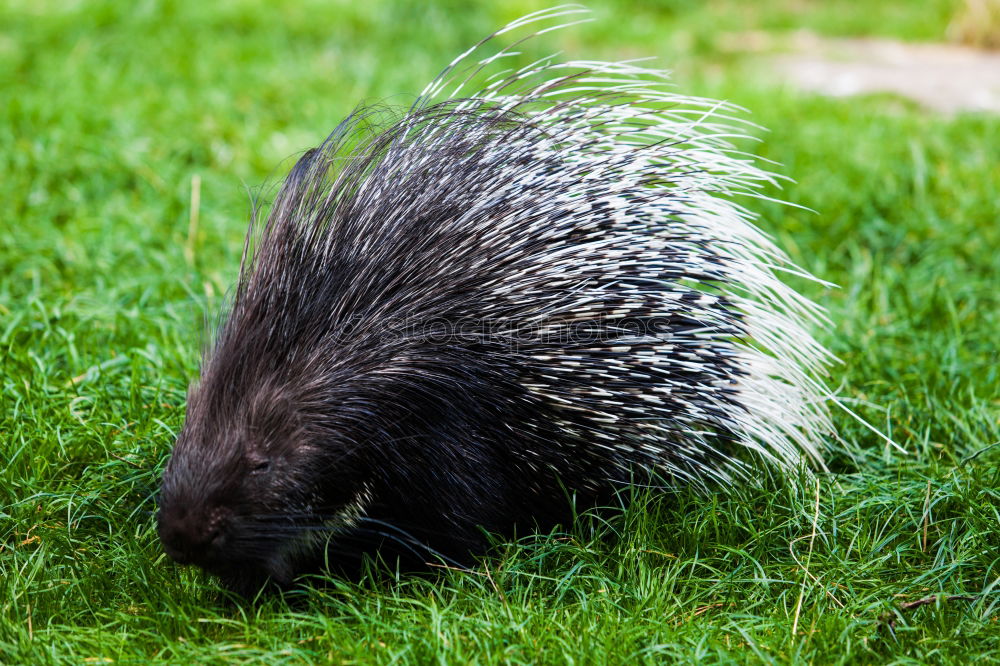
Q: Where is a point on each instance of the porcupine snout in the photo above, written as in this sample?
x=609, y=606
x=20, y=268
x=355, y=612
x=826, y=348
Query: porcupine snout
x=193, y=536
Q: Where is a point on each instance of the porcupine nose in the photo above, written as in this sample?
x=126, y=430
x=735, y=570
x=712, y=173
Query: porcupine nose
x=190, y=537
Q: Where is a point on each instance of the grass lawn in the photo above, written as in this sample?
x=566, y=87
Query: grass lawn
x=113, y=114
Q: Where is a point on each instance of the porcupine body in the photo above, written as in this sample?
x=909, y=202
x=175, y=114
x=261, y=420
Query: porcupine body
x=496, y=305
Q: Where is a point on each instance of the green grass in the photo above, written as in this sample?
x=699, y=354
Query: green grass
x=111, y=112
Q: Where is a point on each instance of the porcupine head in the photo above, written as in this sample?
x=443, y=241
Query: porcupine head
x=499, y=303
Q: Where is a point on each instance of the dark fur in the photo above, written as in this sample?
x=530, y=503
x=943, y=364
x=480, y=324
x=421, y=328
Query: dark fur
x=334, y=369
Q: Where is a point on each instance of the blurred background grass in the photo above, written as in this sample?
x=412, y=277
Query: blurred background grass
x=113, y=114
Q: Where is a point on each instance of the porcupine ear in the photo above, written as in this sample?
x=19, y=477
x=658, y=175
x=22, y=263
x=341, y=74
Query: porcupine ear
x=683, y=154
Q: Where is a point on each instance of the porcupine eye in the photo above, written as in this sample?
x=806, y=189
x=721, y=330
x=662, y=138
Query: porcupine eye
x=259, y=466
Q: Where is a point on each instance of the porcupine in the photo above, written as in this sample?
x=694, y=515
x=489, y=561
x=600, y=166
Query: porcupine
x=491, y=308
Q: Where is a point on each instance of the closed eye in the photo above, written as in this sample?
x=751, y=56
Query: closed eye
x=261, y=467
